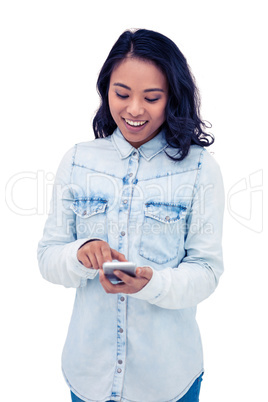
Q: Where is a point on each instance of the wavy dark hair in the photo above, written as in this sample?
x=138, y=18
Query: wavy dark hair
x=183, y=125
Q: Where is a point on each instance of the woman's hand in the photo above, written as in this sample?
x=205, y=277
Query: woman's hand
x=129, y=285
x=94, y=253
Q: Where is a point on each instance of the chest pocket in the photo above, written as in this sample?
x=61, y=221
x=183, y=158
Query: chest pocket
x=162, y=230
x=91, y=217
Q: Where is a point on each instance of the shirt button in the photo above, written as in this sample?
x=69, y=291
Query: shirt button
x=125, y=201
x=122, y=298
x=135, y=153
x=123, y=233
x=120, y=361
x=167, y=218
x=121, y=330
x=119, y=370
x=130, y=174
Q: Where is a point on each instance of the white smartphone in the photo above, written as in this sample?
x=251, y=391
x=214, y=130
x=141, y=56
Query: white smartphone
x=128, y=267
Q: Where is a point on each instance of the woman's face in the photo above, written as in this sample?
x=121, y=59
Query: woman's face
x=138, y=95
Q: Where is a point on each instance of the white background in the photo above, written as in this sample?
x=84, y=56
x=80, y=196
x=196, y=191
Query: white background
x=51, y=54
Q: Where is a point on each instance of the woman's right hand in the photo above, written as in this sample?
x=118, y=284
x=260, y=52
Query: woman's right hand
x=94, y=253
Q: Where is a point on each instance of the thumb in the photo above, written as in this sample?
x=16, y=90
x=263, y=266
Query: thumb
x=144, y=272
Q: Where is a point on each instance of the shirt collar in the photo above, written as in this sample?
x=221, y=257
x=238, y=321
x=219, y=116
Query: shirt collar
x=147, y=150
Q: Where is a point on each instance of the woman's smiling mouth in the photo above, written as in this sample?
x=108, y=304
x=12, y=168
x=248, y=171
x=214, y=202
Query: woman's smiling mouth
x=135, y=123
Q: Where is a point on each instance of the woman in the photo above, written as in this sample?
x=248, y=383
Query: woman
x=145, y=190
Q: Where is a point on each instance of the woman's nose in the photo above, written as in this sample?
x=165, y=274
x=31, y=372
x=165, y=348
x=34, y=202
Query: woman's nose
x=135, y=108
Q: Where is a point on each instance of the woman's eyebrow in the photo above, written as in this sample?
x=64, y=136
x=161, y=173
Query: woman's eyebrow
x=154, y=90
x=118, y=84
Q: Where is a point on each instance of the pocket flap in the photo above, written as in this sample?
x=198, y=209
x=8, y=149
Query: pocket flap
x=165, y=212
x=89, y=207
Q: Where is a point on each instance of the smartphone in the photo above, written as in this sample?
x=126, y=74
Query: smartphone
x=128, y=267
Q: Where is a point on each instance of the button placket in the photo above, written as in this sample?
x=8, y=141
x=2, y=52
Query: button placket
x=124, y=209
x=121, y=346
x=125, y=204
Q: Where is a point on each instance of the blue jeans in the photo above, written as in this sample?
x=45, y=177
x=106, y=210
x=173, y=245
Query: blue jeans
x=191, y=396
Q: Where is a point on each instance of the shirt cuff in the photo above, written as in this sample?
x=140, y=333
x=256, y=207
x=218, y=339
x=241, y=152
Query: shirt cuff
x=155, y=289
x=76, y=266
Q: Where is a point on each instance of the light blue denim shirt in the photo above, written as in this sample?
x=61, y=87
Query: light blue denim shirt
x=143, y=347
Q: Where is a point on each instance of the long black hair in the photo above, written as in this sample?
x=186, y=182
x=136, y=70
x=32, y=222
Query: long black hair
x=183, y=125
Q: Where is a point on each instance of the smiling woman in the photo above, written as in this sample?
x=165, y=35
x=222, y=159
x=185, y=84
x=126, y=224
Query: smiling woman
x=183, y=124
x=142, y=192
x=137, y=113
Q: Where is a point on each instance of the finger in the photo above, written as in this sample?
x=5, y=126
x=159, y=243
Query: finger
x=86, y=254
x=118, y=256
x=106, y=253
x=99, y=259
x=106, y=284
x=144, y=272
x=84, y=260
x=103, y=254
x=93, y=260
x=127, y=279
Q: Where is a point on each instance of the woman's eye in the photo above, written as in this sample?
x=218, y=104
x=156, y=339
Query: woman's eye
x=152, y=100
x=121, y=96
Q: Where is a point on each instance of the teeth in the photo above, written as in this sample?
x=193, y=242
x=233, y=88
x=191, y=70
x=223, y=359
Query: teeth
x=135, y=123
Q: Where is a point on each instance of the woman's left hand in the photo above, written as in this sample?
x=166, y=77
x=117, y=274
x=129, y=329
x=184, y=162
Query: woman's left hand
x=130, y=284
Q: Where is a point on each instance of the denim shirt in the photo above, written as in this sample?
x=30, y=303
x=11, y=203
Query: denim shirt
x=159, y=213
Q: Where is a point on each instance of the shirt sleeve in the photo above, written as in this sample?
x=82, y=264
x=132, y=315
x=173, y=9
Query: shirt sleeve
x=57, y=250
x=198, y=274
